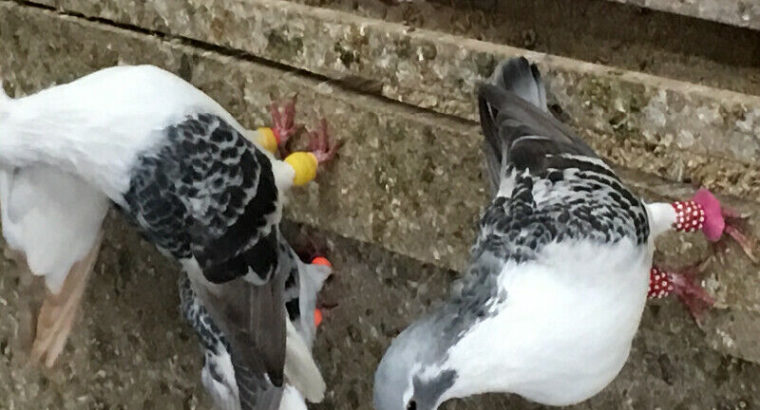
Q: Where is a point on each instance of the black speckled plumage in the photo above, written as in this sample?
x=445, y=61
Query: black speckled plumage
x=252, y=385
x=207, y=193
x=560, y=190
x=549, y=187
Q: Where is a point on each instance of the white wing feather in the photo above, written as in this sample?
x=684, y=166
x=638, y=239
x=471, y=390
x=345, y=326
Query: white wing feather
x=292, y=399
x=311, y=279
x=52, y=217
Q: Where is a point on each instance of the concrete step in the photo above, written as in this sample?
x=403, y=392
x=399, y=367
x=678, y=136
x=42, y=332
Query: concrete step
x=407, y=186
x=131, y=350
x=682, y=131
x=609, y=33
x=406, y=180
x=741, y=13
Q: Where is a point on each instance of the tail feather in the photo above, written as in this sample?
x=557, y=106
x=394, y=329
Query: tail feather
x=519, y=130
x=523, y=79
x=59, y=310
x=292, y=399
x=301, y=370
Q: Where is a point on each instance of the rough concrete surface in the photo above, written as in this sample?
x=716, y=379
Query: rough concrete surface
x=407, y=181
x=439, y=71
x=657, y=43
x=744, y=13
x=398, y=167
x=391, y=185
x=130, y=349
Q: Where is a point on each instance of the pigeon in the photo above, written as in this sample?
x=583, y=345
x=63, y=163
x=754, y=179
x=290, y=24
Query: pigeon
x=194, y=182
x=559, y=273
x=304, y=281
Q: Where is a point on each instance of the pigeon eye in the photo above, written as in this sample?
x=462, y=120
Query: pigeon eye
x=412, y=405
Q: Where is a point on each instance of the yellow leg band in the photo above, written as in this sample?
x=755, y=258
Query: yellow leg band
x=305, y=166
x=267, y=139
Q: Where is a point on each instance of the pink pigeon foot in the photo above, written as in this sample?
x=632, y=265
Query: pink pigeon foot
x=683, y=284
x=717, y=223
x=320, y=144
x=283, y=121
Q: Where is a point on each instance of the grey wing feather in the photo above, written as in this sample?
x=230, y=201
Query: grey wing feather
x=240, y=319
x=558, y=187
x=253, y=319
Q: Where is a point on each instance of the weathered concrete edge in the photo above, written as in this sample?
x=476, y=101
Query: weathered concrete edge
x=399, y=233
x=439, y=71
x=388, y=149
x=739, y=13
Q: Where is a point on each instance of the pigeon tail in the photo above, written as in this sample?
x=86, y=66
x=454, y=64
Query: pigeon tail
x=519, y=130
x=523, y=79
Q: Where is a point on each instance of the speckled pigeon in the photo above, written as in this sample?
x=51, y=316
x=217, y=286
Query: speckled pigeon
x=559, y=273
x=194, y=181
x=304, y=281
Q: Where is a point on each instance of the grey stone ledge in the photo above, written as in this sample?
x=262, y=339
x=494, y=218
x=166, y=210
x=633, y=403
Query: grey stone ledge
x=439, y=71
x=406, y=180
x=740, y=13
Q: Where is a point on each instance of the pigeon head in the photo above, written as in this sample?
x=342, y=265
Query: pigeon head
x=410, y=375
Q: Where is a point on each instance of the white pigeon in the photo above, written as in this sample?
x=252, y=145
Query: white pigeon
x=559, y=272
x=183, y=170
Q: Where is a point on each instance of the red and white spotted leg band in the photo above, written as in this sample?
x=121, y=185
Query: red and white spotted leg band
x=660, y=284
x=690, y=216
x=683, y=284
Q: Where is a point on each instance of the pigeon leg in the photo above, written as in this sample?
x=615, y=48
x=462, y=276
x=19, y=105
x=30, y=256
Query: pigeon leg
x=320, y=310
x=682, y=283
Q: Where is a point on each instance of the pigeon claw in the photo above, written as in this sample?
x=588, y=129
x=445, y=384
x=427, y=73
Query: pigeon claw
x=736, y=230
x=283, y=114
x=683, y=283
x=320, y=143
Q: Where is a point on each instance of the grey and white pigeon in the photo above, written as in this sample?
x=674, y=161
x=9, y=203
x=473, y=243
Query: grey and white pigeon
x=559, y=273
x=304, y=281
x=188, y=175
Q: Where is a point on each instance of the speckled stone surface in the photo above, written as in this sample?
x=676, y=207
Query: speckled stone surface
x=658, y=43
x=439, y=71
x=742, y=13
x=406, y=180
x=130, y=349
